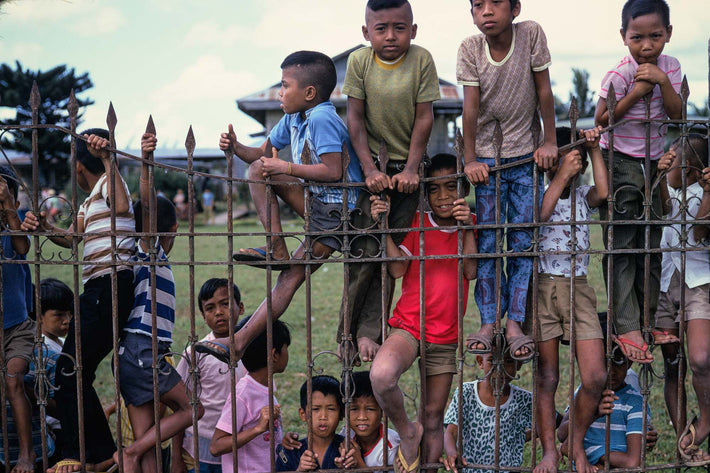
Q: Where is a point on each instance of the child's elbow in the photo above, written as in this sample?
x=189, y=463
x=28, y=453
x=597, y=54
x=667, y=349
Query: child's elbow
x=214, y=451
x=603, y=194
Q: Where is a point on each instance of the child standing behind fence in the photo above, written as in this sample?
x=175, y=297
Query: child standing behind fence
x=307, y=80
x=390, y=87
x=93, y=170
x=135, y=354
x=505, y=76
x=645, y=29
x=18, y=328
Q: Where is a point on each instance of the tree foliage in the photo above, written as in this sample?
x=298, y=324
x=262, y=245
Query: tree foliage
x=55, y=86
x=581, y=92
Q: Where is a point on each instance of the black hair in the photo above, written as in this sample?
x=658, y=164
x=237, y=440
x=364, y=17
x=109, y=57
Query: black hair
x=210, y=287
x=256, y=355
x=55, y=295
x=360, y=384
x=90, y=162
x=564, y=138
x=315, y=69
x=512, y=3
x=326, y=385
x=635, y=8
x=446, y=161
x=695, y=149
x=377, y=5
x=11, y=178
x=165, y=214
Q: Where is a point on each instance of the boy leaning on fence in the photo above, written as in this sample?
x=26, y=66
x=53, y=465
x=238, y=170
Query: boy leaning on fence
x=645, y=30
x=311, y=123
x=505, y=77
x=18, y=328
x=688, y=155
x=391, y=86
x=94, y=221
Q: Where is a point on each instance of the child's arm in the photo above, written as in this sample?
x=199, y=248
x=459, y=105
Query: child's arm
x=248, y=154
x=631, y=458
x=97, y=147
x=330, y=168
x=639, y=89
x=147, y=193
x=571, y=165
x=349, y=459
x=8, y=206
x=308, y=462
x=664, y=164
x=33, y=223
x=450, y=448
x=598, y=194
x=408, y=179
x=700, y=232
x=177, y=464
x=379, y=207
x=376, y=180
x=462, y=213
x=475, y=171
x=222, y=441
x=652, y=74
x=546, y=155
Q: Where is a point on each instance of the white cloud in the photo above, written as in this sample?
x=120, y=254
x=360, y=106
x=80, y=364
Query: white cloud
x=38, y=11
x=99, y=22
x=210, y=33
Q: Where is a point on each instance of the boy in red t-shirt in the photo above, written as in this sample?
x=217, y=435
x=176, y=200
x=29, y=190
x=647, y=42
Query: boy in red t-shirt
x=401, y=348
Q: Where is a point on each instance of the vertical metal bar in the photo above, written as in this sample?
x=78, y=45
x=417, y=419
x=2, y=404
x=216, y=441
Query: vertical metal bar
x=498, y=337
x=347, y=367
x=385, y=280
x=459, y=148
x=422, y=303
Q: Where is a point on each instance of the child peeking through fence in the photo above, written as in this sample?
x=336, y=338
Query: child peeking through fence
x=312, y=124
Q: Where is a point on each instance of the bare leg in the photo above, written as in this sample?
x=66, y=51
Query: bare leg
x=368, y=349
x=698, y=334
x=438, y=387
x=671, y=365
x=394, y=358
x=21, y=412
x=592, y=372
x=546, y=382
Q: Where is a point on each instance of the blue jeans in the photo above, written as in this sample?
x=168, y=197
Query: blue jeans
x=516, y=206
x=207, y=468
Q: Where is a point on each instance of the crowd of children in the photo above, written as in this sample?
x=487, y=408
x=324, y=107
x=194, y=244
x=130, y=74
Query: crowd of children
x=390, y=86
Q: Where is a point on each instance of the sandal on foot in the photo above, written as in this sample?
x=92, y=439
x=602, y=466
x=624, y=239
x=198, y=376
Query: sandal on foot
x=692, y=450
x=520, y=342
x=622, y=342
x=216, y=349
x=479, y=339
x=258, y=255
x=666, y=338
x=407, y=467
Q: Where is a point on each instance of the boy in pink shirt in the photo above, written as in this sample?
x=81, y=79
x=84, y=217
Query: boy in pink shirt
x=252, y=398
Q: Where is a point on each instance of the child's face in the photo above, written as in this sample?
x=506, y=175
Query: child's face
x=365, y=416
x=617, y=374
x=675, y=173
x=280, y=360
x=294, y=98
x=496, y=377
x=442, y=193
x=646, y=36
x=81, y=177
x=216, y=313
x=325, y=414
x=390, y=31
x=493, y=17
x=167, y=241
x=55, y=323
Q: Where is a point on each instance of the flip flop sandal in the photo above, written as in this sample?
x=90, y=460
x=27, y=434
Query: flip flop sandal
x=622, y=342
x=478, y=339
x=216, y=349
x=664, y=333
x=692, y=447
x=260, y=257
x=521, y=341
x=407, y=467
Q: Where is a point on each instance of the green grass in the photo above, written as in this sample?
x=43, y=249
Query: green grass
x=326, y=297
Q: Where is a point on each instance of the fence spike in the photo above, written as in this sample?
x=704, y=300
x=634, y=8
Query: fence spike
x=573, y=114
x=35, y=99
x=73, y=105
x=111, y=118
x=150, y=127
x=458, y=143
x=611, y=101
x=684, y=89
x=190, y=141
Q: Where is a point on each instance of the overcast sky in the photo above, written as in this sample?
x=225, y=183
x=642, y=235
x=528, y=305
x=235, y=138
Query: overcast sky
x=187, y=61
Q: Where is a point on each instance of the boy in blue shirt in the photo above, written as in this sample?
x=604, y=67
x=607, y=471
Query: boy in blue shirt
x=311, y=123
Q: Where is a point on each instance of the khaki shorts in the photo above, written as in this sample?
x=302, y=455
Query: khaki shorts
x=440, y=359
x=697, y=303
x=553, y=309
x=19, y=340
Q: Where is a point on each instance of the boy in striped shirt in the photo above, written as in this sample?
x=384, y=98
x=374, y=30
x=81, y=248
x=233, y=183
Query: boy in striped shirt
x=95, y=218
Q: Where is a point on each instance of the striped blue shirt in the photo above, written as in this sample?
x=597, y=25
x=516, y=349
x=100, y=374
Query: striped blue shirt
x=324, y=132
x=140, y=320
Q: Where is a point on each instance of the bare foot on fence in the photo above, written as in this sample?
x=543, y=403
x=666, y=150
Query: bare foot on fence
x=368, y=349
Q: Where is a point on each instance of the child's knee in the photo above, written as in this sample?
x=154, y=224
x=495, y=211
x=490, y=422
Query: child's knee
x=382, y=378
x=699, y=361
x=15, y=386
x=255, y=170
x=548, y=377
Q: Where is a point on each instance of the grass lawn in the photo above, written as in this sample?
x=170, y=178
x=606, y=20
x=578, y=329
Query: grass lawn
x=212, y=251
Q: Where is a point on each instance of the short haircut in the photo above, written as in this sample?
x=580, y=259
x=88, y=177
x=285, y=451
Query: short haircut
x=165, y=214
x=695, y=149
x=512, y=3
x=210, y=287
x=55, y=295
x=446, y=161
x=11, y=178
x=326, y=385
x=564, y=137
x=635, y=8
x=360, y=384
x=90, y=162
x=314, y=69
x=377, y=5
x=256, y=354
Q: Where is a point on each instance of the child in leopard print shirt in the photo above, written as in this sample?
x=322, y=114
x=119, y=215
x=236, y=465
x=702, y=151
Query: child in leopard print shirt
x=478, y=419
